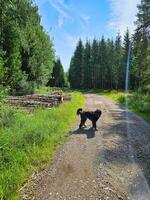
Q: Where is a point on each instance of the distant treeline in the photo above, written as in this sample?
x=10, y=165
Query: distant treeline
x=102, y=63
x=26, y=50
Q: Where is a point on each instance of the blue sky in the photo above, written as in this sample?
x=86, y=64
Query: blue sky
x=68, y=20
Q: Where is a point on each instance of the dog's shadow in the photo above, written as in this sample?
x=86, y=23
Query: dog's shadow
x=89, y=132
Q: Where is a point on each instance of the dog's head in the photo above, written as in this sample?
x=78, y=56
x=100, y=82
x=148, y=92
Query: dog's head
x=79, y=111
x=98, y=113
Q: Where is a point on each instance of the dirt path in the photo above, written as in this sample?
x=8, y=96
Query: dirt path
x=112, y=163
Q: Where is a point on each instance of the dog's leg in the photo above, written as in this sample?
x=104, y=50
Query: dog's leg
x=82, y=123
x=94, y=124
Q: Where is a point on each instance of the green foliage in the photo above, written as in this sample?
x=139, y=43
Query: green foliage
x=141, y=46
x=87, y=66
x=98, y=64
x=137, y=102
x=122, y=99
x=140, y=101
x=44, y=90
x=26, y=51
x=7, y=117
x=58, y=76
x=23, y=87
x=27, y=141
x=2, y=69
x=94, y=63
x=76, y=71
x=101, y=64
x=3, y=92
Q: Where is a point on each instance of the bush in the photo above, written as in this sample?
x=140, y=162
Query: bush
x=7, y=117
x=122, y=99
x=140, y=102
x=137, y=102
x=23, y=87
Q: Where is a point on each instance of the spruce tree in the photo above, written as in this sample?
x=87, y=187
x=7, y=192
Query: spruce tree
x=58, y=74
x=76, y=72
x=126, y=46
x=141, y=44
x=109, y=64
x=102, y=63
x=118, y=63
x=26, y=51
x=87, y=65
x=94, y=64
x=72, y=74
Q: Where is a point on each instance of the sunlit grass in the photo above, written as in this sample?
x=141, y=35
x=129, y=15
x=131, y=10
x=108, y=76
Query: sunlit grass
x=44, y=90
x=49, y=90
x=137, y=102
x=30, y=140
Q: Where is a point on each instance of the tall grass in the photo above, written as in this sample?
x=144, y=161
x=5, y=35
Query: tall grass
x=27, y=141
x=137, y=102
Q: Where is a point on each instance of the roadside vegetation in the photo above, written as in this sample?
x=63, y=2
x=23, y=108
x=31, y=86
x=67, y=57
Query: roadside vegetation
x=137, y=102
x=28, y=141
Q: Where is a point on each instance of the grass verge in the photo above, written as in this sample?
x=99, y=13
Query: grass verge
x=28, y=141
x=137, y=102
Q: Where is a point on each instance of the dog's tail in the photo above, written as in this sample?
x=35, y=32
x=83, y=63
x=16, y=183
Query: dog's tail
x=79, y=111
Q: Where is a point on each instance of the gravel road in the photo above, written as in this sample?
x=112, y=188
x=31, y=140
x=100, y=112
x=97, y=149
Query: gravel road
x=112, y=163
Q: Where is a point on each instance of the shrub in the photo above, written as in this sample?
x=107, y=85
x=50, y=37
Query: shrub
x=7, y=117
x=122, y=99
x=23, y=87
x=140, y=101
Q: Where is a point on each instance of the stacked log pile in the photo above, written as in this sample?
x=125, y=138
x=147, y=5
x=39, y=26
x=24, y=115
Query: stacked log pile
x=33, y=101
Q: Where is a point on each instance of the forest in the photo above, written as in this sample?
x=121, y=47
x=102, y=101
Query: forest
x=101, y=63
x=27, y=55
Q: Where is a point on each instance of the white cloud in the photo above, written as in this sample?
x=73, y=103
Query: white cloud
x=68, y=13
x=70, y=40
x=63, y=11
x=61, y=21
x=85, y=18
x=123, y=15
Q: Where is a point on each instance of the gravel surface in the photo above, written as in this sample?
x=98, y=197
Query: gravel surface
x=112, y=163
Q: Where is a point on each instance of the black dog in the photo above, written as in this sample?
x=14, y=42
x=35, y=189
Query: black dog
x=93, y=116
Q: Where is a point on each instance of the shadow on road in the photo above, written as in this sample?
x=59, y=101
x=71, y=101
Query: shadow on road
x=127, y=141
x=90, y=132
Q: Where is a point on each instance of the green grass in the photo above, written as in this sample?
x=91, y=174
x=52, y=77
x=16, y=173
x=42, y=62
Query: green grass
x=28, y=141
x=137, y=102
x=48, y=90
x=44, y=90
